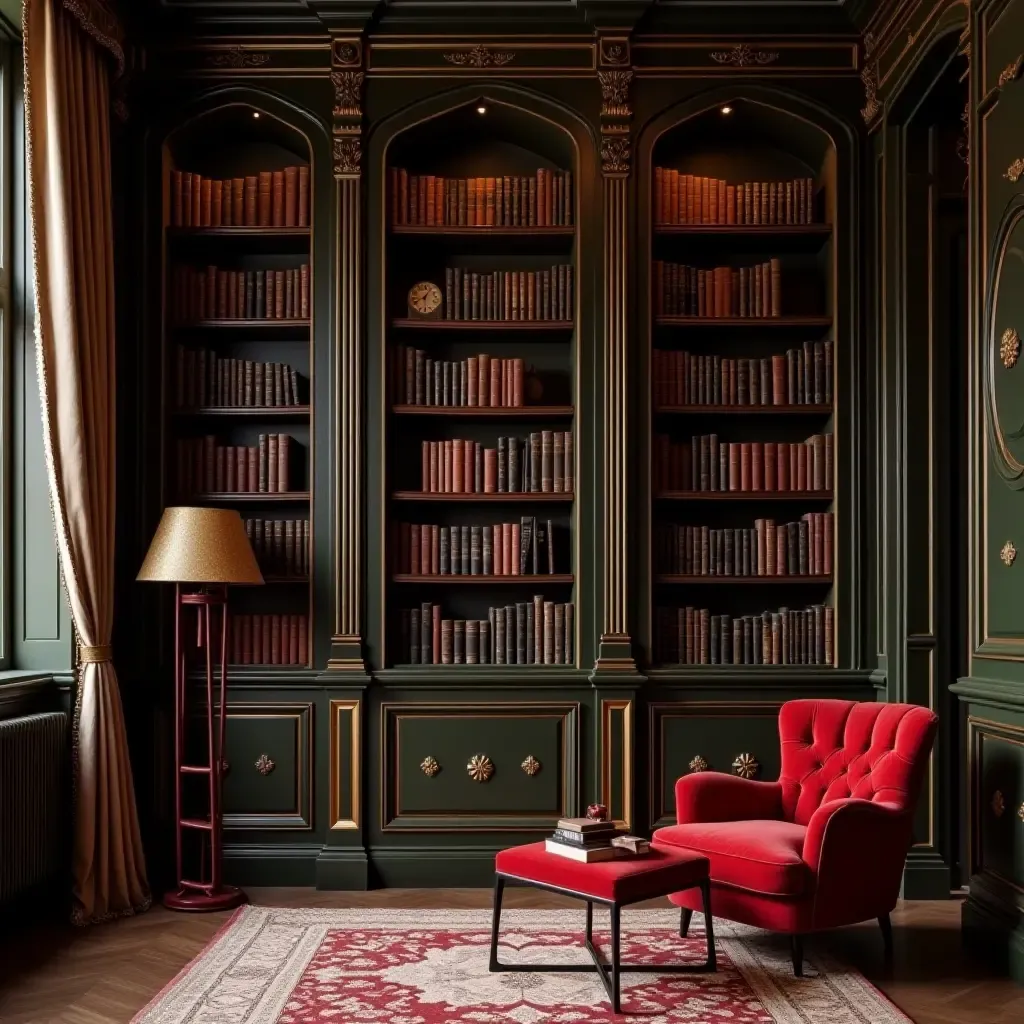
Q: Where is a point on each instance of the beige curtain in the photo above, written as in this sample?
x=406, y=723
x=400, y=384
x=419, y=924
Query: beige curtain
x=70, y=56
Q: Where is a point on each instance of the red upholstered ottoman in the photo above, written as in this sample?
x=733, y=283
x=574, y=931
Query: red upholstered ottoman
x=614, y=884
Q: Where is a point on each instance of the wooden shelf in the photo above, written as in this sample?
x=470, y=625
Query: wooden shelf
x=285, y=579
x=537, y=578
x=745, y=230
x=746, y=410
x=744, y=496
x=488, y=231
x=408, y=323
x=245, y=323
x=800, y=578
x=499, y=498
x=277, y=234
x=255, y=412
x=743, y=321
x=251, y=498
x=530, y=412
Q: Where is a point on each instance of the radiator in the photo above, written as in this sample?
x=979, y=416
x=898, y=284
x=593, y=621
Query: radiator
x=33, y=801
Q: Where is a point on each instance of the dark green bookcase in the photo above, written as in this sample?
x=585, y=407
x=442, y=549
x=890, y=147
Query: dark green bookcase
x=231, y=141
x=742, y=142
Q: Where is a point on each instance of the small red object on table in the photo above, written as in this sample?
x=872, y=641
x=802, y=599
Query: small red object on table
x=614, y=884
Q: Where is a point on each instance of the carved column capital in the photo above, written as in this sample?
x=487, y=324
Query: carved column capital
x=347, y=79
x=615, y=77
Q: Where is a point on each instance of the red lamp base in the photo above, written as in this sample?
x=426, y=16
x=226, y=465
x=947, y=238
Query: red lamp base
x=226, y=898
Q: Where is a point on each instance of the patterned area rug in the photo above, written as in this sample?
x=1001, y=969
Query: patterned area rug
x=286, y=966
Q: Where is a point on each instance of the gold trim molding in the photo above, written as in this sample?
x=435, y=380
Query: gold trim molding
x=608, y=709
x=744, y=56
x=998, y=803
x=1010, y=72
x=480, y=768
x=479, y=57
x=1008, y=554
x=337, y=709
x=1009, y=347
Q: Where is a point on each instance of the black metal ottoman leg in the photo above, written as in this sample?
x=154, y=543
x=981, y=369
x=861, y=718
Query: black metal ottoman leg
x=709, y=926
x=590, y=922
x=684, y=921
x=499, y=887
x=616, y=962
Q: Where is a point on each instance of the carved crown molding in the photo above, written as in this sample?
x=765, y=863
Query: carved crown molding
x=479, y=57
x=869, y=79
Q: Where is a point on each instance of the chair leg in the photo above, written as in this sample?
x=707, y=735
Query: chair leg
x=797, y=942
x=684, y=922
x=616, y=962
x=499, y=888
x=709, y=926
x=886, y=925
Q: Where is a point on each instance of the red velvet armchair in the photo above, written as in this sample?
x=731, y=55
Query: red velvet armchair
x=826, y=844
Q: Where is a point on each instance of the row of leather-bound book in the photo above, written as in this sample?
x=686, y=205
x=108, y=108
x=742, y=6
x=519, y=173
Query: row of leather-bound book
x=543, y=199
x=799, y=376
x=681, y=198
x=529, y=546
x=801, y=548
x=281, y=546
x=267, y=639
x=213, y=293
x=267, y=199
x=204, y=466
x=203, y=378
x=788, y=636
x=536, y=632
x=540, y=463
x=481, y=381
x=503, y=295
x=681, y=290
x=705, y=463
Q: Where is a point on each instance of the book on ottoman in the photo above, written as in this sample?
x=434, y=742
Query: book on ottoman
x=585, y=854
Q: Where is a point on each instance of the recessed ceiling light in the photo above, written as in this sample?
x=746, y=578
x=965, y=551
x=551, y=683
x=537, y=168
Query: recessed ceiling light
x=726, y=110
x=255, y=113
x=481, y=109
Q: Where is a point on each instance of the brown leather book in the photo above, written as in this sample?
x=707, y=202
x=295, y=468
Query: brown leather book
x=730, y=204
x=195, y=199
x=291, y=196
x=757, y=466
x=177, y=207
x=302, y=197
x=277, y=199
x=205, y=200
x=264, y=211
x=218, y=204
x=250, y=218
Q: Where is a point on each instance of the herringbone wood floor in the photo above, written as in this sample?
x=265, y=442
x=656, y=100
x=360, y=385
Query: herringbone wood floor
x=51, y=974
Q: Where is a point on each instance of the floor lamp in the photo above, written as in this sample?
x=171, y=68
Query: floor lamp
x=201, y=551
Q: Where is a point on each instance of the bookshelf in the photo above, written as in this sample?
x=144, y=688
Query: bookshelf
x=742, y=394
x=480, y=447
x=238, y=359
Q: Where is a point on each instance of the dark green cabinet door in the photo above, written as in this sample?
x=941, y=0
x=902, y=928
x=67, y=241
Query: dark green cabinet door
x=684, y=737
x=478, y=766
x=999, y=791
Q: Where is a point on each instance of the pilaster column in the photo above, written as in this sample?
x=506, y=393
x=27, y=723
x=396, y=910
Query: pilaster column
x=347, y=76
x=615, y=75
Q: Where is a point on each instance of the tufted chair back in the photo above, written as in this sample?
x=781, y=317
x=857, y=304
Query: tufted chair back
x=832, y=749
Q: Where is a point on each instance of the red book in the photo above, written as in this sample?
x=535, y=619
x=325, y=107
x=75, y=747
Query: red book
x=291, y=197
x=435, y=550
x=517, y=382
x=745, y=466
x=782, y=478
x=176, y=198
x=458, y=466
x=303, y=641
x=265, y=639
x=263, y=203
x=770, y=466
x=277, y=199
x=757, y=466
x=302, y=213
x=435, y=458
x=275, y=639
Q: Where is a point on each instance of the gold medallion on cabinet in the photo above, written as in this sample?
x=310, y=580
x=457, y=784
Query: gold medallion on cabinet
x=746, y=766
x=998, y=803
x=1008, y=553
x=698, y=764
x=429, y=767
x=265, y=764
x=1009, y=348
x=531, y=765
x=480, y=768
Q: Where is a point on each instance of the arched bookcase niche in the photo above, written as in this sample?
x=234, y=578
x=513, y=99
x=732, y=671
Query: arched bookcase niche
x=741, y=220
x=237, y=319
x=480, y=531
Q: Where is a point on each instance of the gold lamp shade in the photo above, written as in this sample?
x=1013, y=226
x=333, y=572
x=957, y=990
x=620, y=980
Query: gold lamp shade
x=200, y=545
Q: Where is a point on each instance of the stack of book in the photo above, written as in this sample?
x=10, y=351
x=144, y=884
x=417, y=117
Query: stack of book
x=590, y=840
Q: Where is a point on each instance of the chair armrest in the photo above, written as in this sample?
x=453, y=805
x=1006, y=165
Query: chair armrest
x=840, y=824
x=715, y=796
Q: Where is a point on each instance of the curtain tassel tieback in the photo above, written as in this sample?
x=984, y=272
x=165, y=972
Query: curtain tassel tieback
x=95, y=655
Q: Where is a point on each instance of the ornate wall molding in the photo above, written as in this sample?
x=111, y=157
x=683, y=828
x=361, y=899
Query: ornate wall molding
x=237, y=57
x=347, y=79
x=479, y=57
x=615, y=645
x=1011, y=72
x=869, y=78
x=744, y=56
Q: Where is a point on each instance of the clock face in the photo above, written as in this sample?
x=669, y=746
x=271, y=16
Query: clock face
x=424, y=298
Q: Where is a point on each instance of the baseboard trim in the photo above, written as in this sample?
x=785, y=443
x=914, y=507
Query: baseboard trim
x=433, y=867
x=271, y=865
x=926, y=876
x=996, y=935
x=339, y=867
